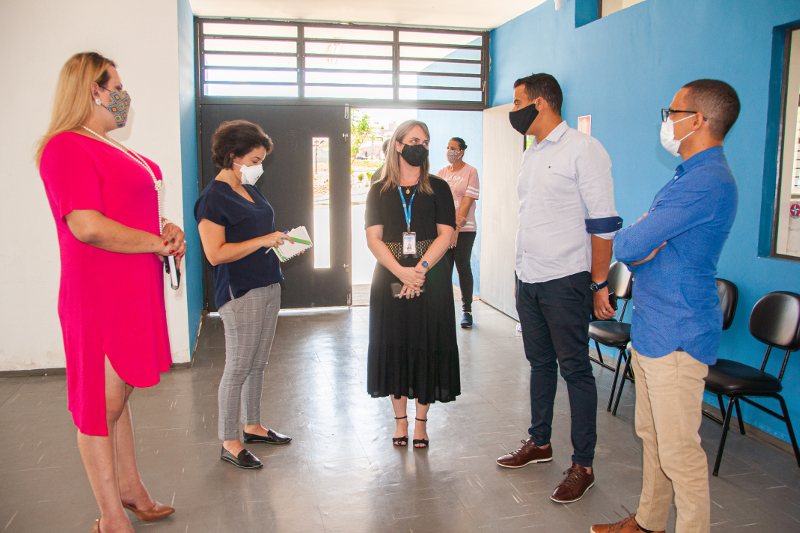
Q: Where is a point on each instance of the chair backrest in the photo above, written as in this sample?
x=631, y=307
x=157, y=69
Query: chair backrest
x=728, y=298
x=620, y=280
x=775, y=321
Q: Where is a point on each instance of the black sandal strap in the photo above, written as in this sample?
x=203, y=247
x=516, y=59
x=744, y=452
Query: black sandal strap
x=421, y=419
x=400, y=417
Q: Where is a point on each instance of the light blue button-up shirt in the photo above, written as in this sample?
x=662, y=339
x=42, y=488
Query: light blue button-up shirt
x=566, y=194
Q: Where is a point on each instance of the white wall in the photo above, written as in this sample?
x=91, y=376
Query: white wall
x=502, y=154
x=36, y=38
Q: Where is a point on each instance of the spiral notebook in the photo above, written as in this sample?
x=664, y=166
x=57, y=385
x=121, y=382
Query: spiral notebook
x=287, y=250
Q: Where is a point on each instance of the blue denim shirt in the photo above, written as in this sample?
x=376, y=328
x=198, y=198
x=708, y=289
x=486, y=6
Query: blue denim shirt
x=675, y=299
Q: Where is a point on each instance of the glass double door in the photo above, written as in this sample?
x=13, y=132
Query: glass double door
x=306, y=179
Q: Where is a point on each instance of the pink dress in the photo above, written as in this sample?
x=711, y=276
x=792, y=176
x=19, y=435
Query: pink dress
x=110, y=304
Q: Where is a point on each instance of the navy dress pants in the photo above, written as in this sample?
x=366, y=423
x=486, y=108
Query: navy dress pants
x=554, y=316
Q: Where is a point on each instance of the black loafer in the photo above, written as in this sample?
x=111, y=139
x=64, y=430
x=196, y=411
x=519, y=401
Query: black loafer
x=245, y=459
x=271, y=438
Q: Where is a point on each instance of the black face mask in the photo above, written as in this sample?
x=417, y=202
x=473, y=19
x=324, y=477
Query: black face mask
x=414, y=154
x=522, y=119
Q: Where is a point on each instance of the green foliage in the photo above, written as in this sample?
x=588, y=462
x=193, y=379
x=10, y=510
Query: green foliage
x=360, y=131
x=361, y=176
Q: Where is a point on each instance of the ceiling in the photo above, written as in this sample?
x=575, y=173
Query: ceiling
x=475, y=14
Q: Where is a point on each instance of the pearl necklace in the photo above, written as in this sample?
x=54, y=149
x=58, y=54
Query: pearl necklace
x=139, y=159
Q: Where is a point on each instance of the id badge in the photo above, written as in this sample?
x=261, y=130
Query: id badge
x=410, y=243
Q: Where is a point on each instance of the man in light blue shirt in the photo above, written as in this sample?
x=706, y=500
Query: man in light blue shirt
x=673, y=251
x=566, y=222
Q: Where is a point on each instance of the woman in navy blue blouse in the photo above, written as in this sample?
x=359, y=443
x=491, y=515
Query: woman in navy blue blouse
x=237, y=228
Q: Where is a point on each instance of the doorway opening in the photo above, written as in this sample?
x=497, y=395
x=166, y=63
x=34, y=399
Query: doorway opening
x=369, y=128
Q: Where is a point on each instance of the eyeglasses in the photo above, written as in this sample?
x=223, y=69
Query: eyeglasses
x=665, y=113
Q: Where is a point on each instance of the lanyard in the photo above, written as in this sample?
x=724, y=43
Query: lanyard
x=407, y=209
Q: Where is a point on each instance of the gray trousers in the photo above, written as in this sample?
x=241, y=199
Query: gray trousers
x=249, y=329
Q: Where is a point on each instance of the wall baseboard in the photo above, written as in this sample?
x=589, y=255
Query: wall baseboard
x=63, y=371
x=33, y=372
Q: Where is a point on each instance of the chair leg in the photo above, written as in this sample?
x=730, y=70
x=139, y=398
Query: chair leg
x=626, y=374
x=789, y=427
x=597, y=347
x=721, y=406
x=739, y=416
x=725, y=427
x=614, y=383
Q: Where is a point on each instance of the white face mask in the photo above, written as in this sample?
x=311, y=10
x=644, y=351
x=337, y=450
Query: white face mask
x=453, y=156
x=668, y=140
x=250, y=174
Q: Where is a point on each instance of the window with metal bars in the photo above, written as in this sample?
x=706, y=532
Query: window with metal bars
x=364, y=65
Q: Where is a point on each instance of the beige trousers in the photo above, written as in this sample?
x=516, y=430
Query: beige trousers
x=669, y=396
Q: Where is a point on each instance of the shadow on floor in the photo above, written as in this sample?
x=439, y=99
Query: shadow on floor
x=341, y=472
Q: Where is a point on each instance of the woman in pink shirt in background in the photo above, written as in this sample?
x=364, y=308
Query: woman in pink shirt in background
x=106, y=202
x=463, y=181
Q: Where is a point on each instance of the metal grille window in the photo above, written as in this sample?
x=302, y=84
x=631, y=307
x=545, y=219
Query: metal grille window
x=325, y=62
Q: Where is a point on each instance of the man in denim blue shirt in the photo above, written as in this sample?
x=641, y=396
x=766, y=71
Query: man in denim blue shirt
x=673, y=251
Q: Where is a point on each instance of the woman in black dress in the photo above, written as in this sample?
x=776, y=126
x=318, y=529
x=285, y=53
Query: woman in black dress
x=410, y=221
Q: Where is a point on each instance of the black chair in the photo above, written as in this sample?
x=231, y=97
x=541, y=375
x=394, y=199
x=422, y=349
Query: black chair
x=728, y=298
x=613, y=333
x=775, y=321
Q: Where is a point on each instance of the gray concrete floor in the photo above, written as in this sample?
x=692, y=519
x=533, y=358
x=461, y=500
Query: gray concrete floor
x=341, y=472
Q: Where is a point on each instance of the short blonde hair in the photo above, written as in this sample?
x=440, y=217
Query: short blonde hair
x=73, y=101
x=391, y=167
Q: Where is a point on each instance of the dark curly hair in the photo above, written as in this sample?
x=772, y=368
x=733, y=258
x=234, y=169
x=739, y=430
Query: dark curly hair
x=237, y=138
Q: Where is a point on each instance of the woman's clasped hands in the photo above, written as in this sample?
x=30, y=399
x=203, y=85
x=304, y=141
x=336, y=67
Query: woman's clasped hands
x=412, y=279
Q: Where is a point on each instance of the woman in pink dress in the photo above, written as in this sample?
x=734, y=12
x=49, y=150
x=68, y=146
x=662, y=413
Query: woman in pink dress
x=106, y=204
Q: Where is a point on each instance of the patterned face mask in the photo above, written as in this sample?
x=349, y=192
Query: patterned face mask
x=118, y=106
x=453, y=156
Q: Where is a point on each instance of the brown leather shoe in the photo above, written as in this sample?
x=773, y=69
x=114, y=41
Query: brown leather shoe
x=527, y=454
x=574, y=486
x=627, y=525
x=156, y=512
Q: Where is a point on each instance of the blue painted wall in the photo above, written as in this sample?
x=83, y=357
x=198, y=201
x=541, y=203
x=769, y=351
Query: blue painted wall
x=192, y=273
x=622, y=69
x=444, y=125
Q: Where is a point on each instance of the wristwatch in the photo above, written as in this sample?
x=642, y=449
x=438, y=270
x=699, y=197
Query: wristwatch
x=424, y=264
x=597, y=286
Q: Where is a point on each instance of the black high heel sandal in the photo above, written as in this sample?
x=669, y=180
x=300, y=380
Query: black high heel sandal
x=424, y=442
x=400, y=441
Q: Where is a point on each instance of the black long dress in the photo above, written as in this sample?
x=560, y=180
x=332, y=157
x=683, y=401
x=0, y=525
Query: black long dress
x=412, y=342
